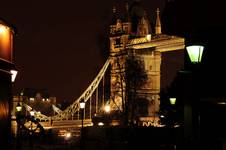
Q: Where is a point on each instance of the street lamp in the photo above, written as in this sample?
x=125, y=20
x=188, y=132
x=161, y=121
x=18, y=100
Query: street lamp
x=107, y=108
x=192, y=117
x=18, y=107
x=173, y=100
x=18, y=119
x=32, y=113
x=195, y=53
x=82, y=106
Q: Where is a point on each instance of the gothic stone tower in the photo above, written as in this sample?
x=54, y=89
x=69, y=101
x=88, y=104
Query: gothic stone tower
x=134, y=34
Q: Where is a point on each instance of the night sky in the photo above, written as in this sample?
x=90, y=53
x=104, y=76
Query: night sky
x=58, y=45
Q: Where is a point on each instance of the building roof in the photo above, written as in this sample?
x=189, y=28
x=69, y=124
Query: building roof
x=161, y=43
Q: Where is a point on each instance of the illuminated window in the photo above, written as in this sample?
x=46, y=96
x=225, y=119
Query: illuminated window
x=32, y=99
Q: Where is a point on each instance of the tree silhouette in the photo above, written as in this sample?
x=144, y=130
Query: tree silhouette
x=135, y=77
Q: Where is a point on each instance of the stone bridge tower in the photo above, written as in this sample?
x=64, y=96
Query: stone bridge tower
x=133, y=33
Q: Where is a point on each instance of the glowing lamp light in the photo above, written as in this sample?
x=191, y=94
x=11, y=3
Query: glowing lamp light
x=100, y=123
x=13, y=75
x=195, y=53
x=32, y=113
x=173, y=101
x=148, y=37
x=107, y=108
x=162, y=116
x=2, y=29
x=18, y=107
x=82, y=104
x=68, y=135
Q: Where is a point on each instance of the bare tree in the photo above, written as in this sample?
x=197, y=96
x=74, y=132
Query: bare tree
x=135, y=77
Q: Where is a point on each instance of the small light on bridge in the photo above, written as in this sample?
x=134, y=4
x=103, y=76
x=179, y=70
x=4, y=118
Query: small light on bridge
x=100, y=124
x=32, y=99
x=107, y=108
x=82, y=104
x=162, y=116
x=32, y=113
x=148, y=37
x=221, y=103
x=67, y=135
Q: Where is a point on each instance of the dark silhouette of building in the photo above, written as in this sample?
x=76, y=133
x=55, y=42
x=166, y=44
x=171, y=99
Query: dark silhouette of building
x=6, y=65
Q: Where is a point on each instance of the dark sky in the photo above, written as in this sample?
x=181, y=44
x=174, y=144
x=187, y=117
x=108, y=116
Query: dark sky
x=58, y=42
x=202, y=22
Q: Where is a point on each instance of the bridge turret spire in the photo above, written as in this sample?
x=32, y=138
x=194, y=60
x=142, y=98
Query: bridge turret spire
x=158, y=23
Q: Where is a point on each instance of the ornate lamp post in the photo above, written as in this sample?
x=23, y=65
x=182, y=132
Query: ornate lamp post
x=32, y=113
x=192, y=117
x=82, y=107
x=18, y=107
x=18, y=119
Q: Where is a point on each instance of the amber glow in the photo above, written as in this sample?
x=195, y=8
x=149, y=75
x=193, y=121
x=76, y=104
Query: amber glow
x=5, y=43
x=67, y=135
x=2, y=29
x=4, y=109
x=107, y=108
x=149, y=37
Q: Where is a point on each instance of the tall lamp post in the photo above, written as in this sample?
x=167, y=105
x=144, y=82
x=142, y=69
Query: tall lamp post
x=32, y=113
x=18, y=119
x=82, y=107
x=191, y=109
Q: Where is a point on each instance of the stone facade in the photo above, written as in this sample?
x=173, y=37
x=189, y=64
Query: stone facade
x=147, y=47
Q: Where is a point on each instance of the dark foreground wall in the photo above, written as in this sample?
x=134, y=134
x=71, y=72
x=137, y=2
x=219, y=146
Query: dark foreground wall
x=122, y=138
x=5, y=97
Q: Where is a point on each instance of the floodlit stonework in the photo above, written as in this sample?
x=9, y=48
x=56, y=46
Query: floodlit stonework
x=147, y=46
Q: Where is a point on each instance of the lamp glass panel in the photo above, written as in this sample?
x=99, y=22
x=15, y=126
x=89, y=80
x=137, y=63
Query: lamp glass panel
x=82, y=105
x=173, y=101
x=195, y=53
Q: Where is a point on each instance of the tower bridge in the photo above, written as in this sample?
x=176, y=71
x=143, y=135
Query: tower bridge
x=126, y=40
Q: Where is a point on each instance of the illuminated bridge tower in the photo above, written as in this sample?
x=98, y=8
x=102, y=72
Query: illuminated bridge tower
x=134, y=34
x=119, y=34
